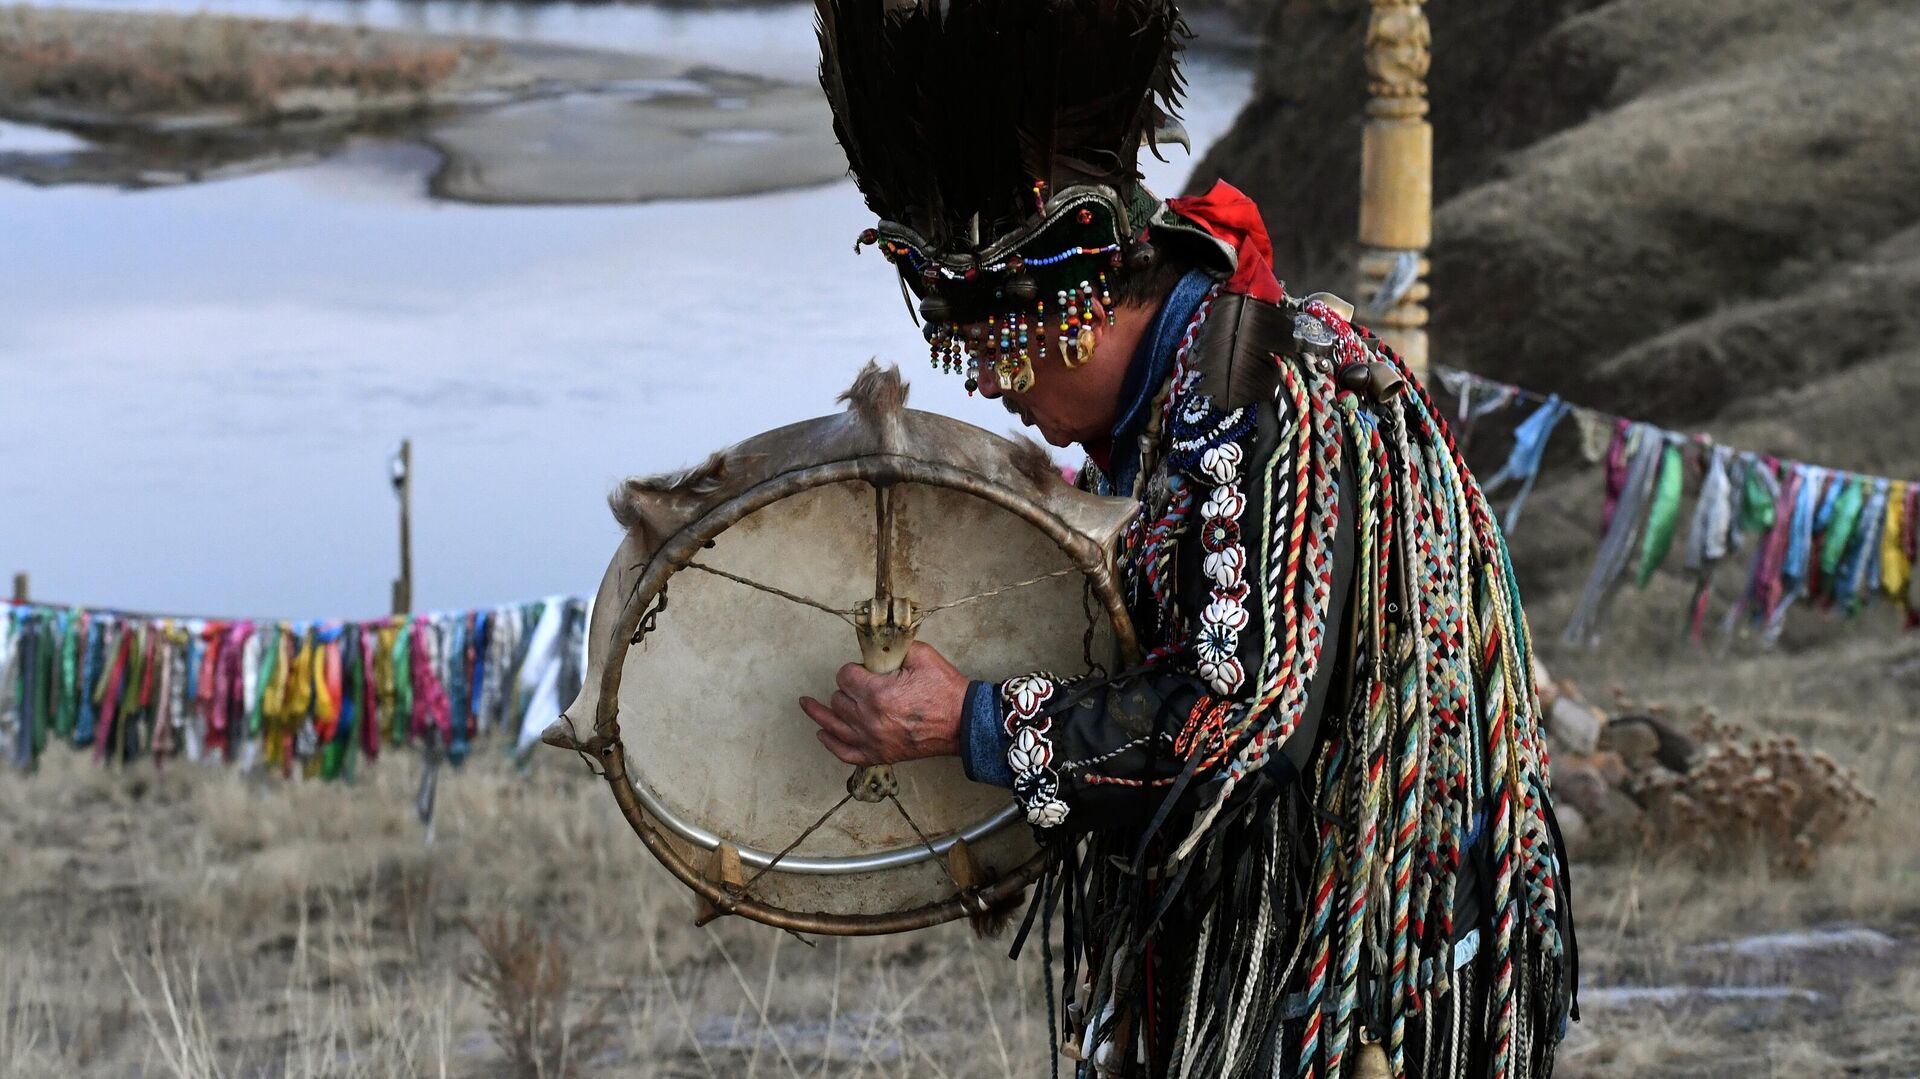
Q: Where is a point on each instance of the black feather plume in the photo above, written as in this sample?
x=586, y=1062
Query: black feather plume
x=952, y=108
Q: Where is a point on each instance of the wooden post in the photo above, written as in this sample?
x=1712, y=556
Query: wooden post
x=1396, y=179
x=403, y=487
x=20, y=588
x=430, y=751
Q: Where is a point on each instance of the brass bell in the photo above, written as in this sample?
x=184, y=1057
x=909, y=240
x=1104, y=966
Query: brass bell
x=1020, y=288
x=1371, y=1063
x=1384, y=380
x=1377, y=380
x=935, y=308
x=1141, y=257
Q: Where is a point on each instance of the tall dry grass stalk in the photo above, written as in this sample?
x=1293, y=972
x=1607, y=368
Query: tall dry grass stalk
x=525, y=978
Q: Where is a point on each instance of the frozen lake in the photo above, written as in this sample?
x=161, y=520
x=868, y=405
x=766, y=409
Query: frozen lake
x=199, y=386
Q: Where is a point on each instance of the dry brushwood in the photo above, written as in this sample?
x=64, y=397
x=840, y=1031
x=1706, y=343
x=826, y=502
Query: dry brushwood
x=1768, y=795
x=526, y=980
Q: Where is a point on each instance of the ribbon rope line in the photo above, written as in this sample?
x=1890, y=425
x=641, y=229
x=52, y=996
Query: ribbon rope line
x=1833, y=536
x=1459, y=381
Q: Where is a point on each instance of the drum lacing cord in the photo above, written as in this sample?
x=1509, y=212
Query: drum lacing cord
x=797, y=840
x=967, y=898
x=991, y=592
x=847, y=614
x=844, y=615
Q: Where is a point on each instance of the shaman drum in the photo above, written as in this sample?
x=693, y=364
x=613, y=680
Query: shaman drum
x=748, y=581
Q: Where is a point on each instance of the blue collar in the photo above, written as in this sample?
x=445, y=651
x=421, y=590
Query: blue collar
x=1152, y=360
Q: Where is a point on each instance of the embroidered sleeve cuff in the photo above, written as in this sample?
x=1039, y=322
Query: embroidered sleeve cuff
x=983, y=738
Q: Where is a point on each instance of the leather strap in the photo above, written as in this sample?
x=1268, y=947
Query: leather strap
x=1236, y=350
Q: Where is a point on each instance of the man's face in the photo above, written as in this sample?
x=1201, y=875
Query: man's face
x=1047, y=406
x=1058, y=402
x=1069, y=405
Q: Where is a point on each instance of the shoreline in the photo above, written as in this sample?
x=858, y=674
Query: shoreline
x=522, y=123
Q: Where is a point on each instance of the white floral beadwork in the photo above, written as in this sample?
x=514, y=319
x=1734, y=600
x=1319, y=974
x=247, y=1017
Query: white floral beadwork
x=1030, y=750
x=1225, y=612
x=1036, y=786
x=1217, y=645
x=1225, y=501
x=1224, y=567
x=1047, y=814
x=1024, y=695
x=1221, y=463
x=1224, y=676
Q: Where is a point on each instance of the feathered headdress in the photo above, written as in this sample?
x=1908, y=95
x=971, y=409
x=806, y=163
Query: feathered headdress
x=998, y=141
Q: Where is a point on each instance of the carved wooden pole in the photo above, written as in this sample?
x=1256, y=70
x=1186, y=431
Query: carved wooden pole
x=1396, y=179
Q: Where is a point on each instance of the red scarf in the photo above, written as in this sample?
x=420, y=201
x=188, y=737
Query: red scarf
x=1230, y=216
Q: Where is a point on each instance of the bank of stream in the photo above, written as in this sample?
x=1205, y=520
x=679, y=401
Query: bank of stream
x=202, y=382
x=163, y=98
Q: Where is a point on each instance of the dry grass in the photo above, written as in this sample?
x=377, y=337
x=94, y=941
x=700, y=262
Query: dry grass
x=1643, y=916
x=205, y=923
x=157, y=63
x=200, y=922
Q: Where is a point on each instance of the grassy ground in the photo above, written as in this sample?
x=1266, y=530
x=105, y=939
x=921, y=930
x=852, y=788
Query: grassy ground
x=201, y=922
x=133, y=65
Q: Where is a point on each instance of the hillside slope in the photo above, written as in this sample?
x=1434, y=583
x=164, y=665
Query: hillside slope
x=1700, y=213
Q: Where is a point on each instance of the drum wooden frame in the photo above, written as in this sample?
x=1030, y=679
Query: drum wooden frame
x=882, y=445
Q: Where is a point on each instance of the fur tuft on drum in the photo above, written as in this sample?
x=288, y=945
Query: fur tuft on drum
x=746, y=582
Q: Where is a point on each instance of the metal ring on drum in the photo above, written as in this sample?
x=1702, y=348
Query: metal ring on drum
x=976, y=544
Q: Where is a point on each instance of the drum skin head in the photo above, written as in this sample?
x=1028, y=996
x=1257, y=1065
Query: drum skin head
x=1011, y=566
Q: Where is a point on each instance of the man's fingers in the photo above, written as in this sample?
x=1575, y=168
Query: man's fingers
x=826, y=718
x=859, y=719
x=841, y=739
x=856, y=679
x=847, y=753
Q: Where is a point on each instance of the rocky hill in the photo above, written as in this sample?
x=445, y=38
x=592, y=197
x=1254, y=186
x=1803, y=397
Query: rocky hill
x=1702, y=213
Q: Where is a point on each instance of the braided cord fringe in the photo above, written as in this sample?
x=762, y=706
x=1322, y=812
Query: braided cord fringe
x=1369, y=597
x=1498, y=711
x=1337, y=897
x=1413, y=542
x=1322, y=904
x=1302, y=597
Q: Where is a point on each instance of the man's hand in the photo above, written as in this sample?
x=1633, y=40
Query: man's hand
x=887, y=718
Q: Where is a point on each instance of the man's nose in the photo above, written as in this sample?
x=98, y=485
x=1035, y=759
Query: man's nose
x=989, y=382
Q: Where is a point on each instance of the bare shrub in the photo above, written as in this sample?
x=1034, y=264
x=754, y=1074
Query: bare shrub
x=526, y=980
x=1748, y=795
